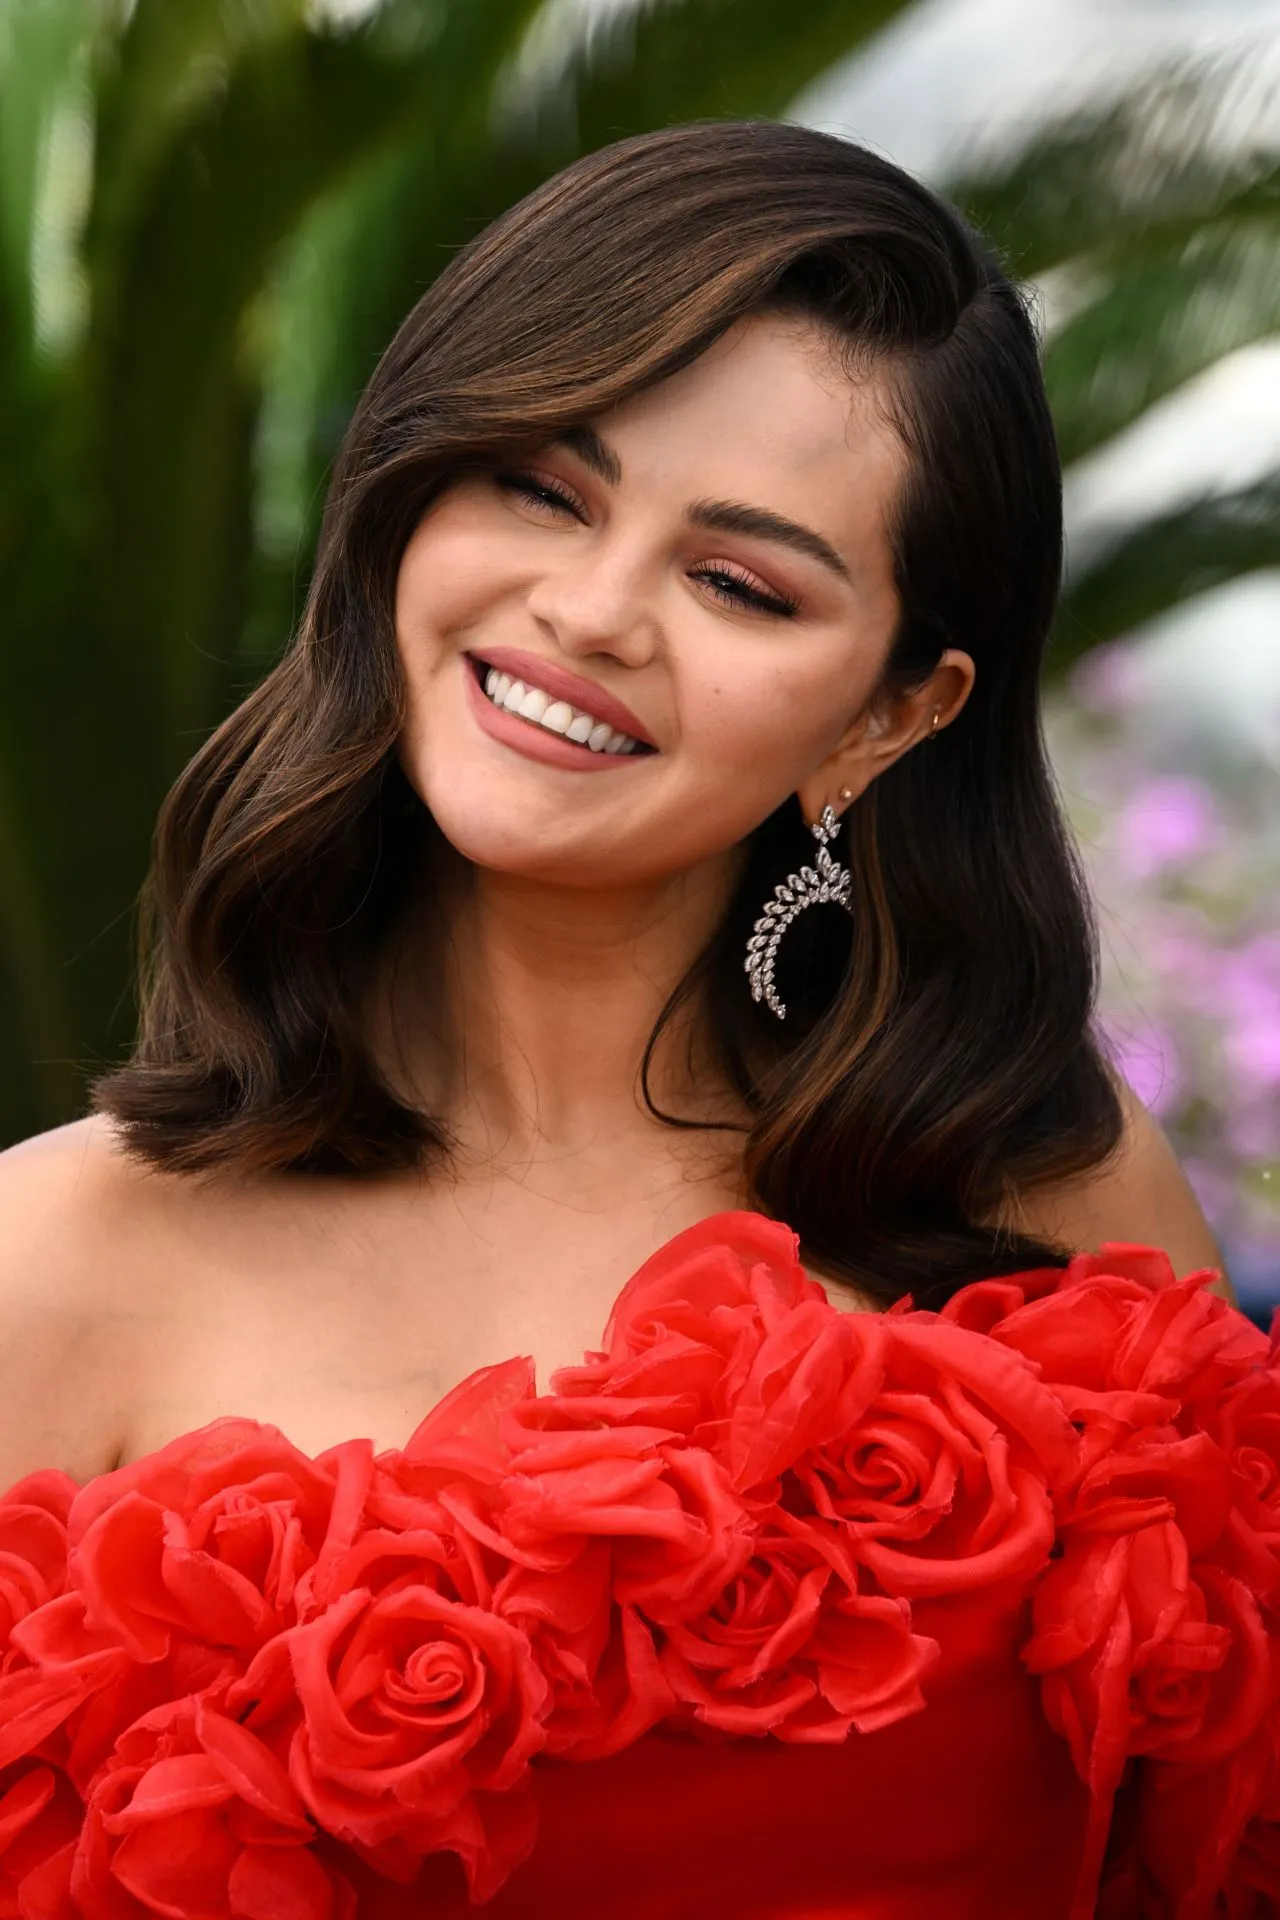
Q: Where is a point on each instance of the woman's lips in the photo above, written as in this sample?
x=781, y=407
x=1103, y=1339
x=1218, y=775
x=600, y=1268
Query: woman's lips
x=562, y=684
x=528, y=738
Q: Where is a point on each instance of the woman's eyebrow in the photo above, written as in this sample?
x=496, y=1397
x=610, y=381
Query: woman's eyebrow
x=592, y=451
x=716, y=516
x=728, y=516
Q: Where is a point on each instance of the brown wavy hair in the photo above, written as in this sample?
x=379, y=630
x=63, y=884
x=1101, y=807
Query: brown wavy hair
x=940, y=1056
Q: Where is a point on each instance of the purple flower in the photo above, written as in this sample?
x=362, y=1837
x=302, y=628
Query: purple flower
x=1109, y=678
x=1251, y=1130
x=1166, y=821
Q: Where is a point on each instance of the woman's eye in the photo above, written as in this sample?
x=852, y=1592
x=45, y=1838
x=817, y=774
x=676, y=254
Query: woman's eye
x=542, y=492
x=729, y=588
x=736, y=590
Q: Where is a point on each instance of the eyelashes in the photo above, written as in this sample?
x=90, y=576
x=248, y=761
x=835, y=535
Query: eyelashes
x=725, y=585
x=533, y=489
x=732, y=591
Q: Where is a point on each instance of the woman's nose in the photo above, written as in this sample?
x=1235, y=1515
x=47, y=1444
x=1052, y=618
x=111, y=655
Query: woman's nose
x=597, y=603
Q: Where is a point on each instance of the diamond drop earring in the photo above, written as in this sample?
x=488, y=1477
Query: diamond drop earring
x=808, y=888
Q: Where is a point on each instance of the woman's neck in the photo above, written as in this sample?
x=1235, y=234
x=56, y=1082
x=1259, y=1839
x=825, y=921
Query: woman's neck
x=518, y=1013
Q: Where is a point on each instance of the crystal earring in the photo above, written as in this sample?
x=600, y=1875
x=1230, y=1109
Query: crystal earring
x=808, y=888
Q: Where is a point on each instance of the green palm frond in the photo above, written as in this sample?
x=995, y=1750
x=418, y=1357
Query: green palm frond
x=161, y=75
x=1158, y=322
x=42, y=44
x=1141, y=175
x=1163, y=226
x=1163, y=561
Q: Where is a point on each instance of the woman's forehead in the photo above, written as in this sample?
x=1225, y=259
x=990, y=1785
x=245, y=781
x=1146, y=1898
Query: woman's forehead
x=769, y=415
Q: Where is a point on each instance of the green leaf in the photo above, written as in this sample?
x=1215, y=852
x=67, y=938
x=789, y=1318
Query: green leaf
x=43, y=44
x=1165, y=561
x=1144, y=173
x=166, y=71
x=1159, y=321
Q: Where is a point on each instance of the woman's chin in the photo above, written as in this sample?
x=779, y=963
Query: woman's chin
x=550, y=853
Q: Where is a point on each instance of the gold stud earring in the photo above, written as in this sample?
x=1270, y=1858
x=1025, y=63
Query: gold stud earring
x=846, y=794
x=934, y=728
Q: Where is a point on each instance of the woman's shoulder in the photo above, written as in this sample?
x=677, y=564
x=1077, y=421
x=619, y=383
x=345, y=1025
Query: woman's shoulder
x=67, y=1198
x=1139, y=1194
x=76, y=1218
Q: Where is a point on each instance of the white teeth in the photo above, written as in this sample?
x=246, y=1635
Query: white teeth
x=557, y=716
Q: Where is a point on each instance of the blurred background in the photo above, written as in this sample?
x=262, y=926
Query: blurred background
x=214, y=213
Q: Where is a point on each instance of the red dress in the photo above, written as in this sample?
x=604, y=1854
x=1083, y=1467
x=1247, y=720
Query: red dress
x=766, y=1610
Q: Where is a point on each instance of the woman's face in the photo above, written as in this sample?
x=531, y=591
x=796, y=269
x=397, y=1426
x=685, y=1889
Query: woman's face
x=705, y=571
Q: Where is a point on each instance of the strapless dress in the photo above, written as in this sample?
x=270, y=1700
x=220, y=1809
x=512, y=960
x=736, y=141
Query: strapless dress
x=766, y=1609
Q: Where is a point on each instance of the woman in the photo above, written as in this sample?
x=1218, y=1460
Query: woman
x=646, y=841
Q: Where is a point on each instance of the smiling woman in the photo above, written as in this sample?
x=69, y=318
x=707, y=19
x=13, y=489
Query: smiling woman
x=621, y=551
x=720, y=471
x=765, y=457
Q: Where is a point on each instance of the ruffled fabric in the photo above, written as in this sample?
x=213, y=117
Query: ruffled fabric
x=237, y=1681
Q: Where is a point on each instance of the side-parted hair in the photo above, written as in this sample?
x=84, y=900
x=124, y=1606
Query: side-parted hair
x=940, y=1058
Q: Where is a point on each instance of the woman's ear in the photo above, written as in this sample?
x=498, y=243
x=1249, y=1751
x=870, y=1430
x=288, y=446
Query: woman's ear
x=883, y=731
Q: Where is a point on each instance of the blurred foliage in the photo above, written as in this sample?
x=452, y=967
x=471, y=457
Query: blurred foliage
x=1181, y=842
x=1158, y=227
x=213, y=215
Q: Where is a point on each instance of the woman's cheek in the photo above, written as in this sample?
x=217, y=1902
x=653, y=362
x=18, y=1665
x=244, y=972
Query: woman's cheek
x=456, y=568
x=766, y=733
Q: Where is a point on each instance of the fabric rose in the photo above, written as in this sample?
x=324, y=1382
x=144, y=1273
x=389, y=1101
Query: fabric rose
x=1199, y=1840
x=606, y=1685
x=723, y=1337
x=33, y=1547
x=591, y=1532
x=791, y=1648
x=1253, y=1888
x=40, y=1817
x=1148, y=1634
x=1145, y=1650
x=33, y=1572
x=675, y=1527
x=1120, y=1322
x=464, y=1442
x=1245, y=1422
x=688, y=1325
x=416, y=1716
x=55, y=1668
x=610, y=1532
x=944, y=1482
x=447, y=1492
x=176, y=1567
x=215, y=1536
x=1142, y=1656
x=1146, y=1646
x=192, y=1814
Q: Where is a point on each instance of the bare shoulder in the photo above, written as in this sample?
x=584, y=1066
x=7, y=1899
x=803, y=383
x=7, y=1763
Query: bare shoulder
x=1141, y=1194
x=73, y=1219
